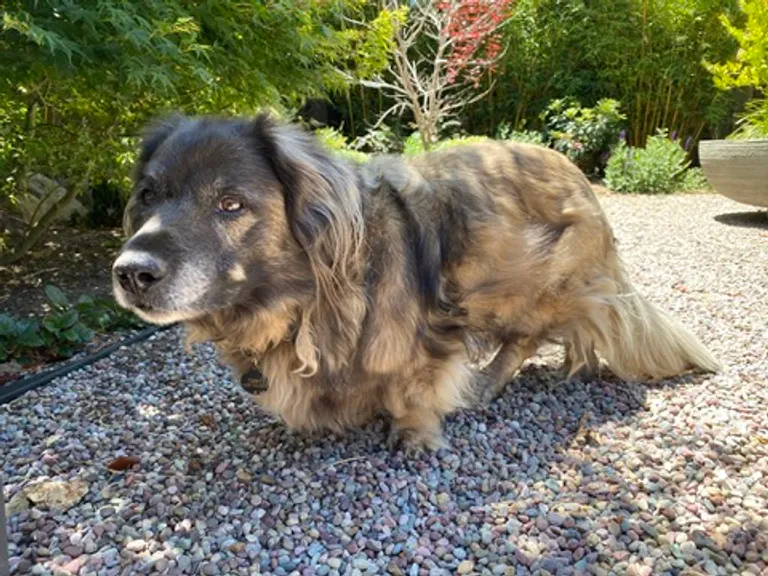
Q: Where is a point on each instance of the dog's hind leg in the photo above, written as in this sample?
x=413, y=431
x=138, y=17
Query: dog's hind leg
x=492, y=379
x=581, y=360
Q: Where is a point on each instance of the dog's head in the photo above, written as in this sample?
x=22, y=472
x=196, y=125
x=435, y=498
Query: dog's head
x=233, y=213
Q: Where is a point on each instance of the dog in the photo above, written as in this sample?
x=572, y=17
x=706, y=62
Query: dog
x=378, y=287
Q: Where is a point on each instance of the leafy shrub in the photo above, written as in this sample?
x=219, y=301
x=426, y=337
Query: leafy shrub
x=754, y=123
x=413, y=144
x=379, y=141
x=748, y=67
x=336, y=142
x=662, y=167
x=458, y=141
x=63, y=330
x=583, y=134
x=505, y=132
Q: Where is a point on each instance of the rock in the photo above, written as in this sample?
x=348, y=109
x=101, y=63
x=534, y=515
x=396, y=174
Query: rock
x=17, y=504
x=73, y=551
x=137, y=545
x=688, y=548
x=106, y=511
x=639, y=570
x=556, y=519
x=184, y=563
x=59, y=495
x=243, y=476
x=466, y=566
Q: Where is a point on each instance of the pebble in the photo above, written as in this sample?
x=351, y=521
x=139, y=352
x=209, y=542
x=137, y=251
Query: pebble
x=551, y=478
x=136, y=545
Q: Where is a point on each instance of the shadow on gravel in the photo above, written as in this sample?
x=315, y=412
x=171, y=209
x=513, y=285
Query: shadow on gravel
x=753, y=219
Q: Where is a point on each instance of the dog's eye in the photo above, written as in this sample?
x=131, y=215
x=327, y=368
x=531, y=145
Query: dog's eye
x=147, y=196
x=229, y=204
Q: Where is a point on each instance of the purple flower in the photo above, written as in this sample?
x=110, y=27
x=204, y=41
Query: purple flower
x=674, y=135
x=623, y=135
x=688, y=142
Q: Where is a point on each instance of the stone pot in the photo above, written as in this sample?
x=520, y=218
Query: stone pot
x=737, y=169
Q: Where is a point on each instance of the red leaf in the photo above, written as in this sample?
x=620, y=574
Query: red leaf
x=208, y=421
x=122, y=463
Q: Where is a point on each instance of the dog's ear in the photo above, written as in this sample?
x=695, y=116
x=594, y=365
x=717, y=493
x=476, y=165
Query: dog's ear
x=153, y=135
x=324, y=210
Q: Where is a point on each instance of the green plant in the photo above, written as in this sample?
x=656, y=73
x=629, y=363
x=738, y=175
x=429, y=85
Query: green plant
x=63, y=330
x=645, y=54
x=748, y=68
x=79, y=79
x=662, y=167
x=583, y=134
x=18, y=336
x=505, y=132
x=754, y=123
x=414, y=144
x=336, y=142
x=379, y=141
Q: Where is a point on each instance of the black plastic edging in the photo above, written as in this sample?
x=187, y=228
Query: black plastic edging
x=15, y=389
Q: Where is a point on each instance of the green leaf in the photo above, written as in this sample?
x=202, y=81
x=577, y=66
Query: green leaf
x=8, y=326
x=68, y=319
x=85, y=301
x=29, y=336
x=51, y=324
x=56, y=296
x=65, y=350
x=83, y=333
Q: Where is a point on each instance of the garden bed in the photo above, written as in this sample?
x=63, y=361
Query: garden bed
x=78, y=262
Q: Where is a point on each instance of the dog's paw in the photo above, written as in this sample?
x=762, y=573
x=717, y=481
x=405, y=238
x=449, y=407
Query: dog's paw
x=488, y=395
x=414, y=441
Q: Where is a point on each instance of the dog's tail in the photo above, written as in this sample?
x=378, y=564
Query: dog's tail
x=637, y=339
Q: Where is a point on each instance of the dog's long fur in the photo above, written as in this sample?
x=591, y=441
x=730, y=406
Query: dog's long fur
x=380, y=286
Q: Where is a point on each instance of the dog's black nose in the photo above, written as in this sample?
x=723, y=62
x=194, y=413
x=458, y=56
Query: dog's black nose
x=136, y=274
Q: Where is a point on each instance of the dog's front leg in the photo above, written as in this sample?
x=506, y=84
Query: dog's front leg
x=419, y=401
x=415, y=430
x=492, y=380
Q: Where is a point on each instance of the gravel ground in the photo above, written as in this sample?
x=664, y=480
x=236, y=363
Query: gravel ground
x=553, y=479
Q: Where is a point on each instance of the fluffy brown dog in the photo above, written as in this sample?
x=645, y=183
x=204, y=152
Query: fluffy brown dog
x=360, y=289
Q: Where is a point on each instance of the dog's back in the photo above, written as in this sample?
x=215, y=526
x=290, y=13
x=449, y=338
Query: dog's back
x=538, y=260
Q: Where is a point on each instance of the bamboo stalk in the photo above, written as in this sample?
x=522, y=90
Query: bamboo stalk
x=666, y=107
x=363, y=103
x=646, y=120
x=351, y=113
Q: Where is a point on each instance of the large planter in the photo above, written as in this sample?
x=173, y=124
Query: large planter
x=737, y=169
